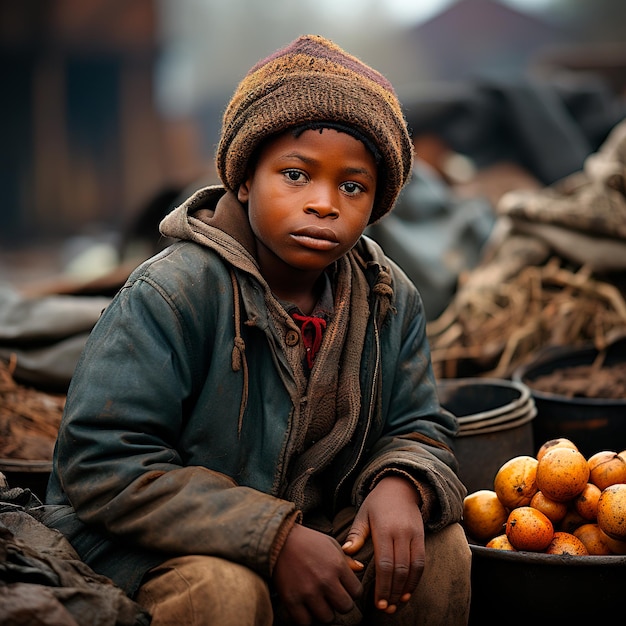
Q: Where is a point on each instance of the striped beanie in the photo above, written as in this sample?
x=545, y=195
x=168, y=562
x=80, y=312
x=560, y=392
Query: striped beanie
x=313, y=80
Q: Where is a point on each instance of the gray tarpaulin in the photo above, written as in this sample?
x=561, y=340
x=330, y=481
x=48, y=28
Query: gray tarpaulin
x=45, y=335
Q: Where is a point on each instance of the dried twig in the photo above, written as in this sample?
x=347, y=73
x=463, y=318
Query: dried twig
x=506, y=323
x=29, y=418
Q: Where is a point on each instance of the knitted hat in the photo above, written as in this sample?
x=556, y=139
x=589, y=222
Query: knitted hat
x=314, y=80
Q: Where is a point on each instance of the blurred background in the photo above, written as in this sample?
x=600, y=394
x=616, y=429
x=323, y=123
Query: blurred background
x=110, y=117
x=113, y=107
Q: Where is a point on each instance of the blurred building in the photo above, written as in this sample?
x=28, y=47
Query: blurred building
x=82, y=141
x=87, y=141
x=477, y=38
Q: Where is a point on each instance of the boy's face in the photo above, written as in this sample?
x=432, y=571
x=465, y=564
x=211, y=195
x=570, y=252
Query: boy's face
x=309, y=199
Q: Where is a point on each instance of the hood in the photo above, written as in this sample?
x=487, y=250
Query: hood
x=213, y=217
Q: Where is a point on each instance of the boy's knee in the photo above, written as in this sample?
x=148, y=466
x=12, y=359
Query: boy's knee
x=452, y=542
x=444, y=593
x=199, y=589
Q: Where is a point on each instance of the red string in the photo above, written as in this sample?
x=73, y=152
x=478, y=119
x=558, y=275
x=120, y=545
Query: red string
x=312, y=329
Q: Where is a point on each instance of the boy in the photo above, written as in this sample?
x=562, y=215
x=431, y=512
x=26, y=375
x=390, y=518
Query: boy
x=252, y=434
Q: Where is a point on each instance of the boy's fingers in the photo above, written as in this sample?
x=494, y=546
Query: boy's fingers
x=354, y=565
x=358, y=534
x=353, y=543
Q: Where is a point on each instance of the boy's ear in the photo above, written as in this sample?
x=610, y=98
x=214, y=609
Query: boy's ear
x=243, y=193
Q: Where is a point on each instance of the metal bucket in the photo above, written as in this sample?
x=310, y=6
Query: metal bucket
x=495, y=424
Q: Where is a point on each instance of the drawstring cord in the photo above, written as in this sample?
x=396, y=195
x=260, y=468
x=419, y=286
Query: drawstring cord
x=384, y=292
x=238, y=357
x=312, y=330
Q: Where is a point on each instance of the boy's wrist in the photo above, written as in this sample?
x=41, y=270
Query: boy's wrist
x=281, y=536
x=421, y=490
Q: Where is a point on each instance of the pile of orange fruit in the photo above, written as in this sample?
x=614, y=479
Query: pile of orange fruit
x=556, y=502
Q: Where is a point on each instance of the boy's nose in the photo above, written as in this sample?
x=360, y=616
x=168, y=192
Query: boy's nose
x=322, y=204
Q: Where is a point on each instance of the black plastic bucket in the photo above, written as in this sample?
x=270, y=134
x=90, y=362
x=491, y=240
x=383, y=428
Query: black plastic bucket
x=593, y=424
x=523, y=588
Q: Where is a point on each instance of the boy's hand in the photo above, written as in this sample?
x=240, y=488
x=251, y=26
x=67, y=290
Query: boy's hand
x=314, y=578
x=391, y=515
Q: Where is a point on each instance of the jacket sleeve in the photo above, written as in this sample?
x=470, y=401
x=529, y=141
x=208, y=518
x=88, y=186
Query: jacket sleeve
x=416, y=434
x=116, y=455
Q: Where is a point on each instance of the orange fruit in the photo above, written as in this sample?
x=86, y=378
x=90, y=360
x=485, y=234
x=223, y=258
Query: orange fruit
x=562, y=474
x=484, y=515
x=606, y=468
x=529, y=529
x=586, y=502
x=559, y=442
x=572, y=520
x=594, y=539
x=612, y=511
x=565, y=543
x=514, y=482
x=553, y=510
x=500, y=542
x=615, y=545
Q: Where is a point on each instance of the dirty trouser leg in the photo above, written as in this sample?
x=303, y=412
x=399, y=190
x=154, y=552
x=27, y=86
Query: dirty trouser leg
x=443, y=595
x=203, y=590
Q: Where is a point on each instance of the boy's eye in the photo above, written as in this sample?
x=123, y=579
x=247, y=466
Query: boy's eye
x=352, y=188
x=295, y=176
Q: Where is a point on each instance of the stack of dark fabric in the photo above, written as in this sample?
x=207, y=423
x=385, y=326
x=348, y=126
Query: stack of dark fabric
x=43, y=582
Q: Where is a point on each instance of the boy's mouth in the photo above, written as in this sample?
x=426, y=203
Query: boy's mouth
x=317, y=238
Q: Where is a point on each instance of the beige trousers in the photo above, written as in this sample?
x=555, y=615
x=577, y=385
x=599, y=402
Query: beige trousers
x=209, y=591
